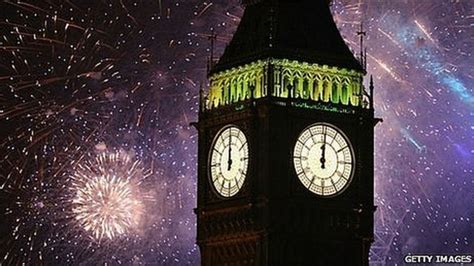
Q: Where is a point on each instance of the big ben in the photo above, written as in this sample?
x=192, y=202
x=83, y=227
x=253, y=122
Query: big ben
x=286, y=144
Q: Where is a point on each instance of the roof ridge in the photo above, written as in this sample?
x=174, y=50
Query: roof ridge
x=303, y=30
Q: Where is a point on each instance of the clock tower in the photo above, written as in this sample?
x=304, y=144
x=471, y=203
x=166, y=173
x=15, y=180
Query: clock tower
x=286, y=144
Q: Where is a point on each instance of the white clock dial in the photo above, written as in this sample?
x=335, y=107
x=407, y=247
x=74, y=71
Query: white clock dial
x=323, y=159
x=229, y=161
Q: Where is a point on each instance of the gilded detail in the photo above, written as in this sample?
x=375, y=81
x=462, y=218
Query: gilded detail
x=286, y=79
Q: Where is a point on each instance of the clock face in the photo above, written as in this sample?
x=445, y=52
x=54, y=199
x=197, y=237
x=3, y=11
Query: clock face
x=228, y=161
x=323, y=159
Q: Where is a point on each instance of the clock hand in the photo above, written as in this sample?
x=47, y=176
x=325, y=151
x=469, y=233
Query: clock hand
x=229, y=162
x=323, y=150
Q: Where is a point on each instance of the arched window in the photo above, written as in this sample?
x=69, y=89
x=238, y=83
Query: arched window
x=315, y=90
x=344, y=93
x=296, y=87
x=306, y=91
x=284, y=89
x=326, y=90
x=355, y=97
x=335, y=93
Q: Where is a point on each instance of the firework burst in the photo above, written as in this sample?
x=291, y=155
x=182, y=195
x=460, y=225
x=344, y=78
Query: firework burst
x=107, y=201
x=80, y=79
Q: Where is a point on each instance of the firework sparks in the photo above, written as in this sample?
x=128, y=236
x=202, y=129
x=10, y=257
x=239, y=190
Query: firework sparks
x=107, y=199
x=77, y=80
x=420, y=66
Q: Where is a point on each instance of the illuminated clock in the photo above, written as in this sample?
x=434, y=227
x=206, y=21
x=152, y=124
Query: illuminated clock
x=228, y=161
x=324, y=159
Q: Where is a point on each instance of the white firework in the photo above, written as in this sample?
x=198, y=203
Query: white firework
x=107, y=202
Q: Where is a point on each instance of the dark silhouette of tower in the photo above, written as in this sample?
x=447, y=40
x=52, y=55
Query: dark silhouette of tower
x=286, y=131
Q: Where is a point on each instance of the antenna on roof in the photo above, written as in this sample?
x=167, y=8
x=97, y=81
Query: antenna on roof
x=212, y=37
x=363, y=52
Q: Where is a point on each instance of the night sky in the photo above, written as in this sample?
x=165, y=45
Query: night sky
x=87, y=85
